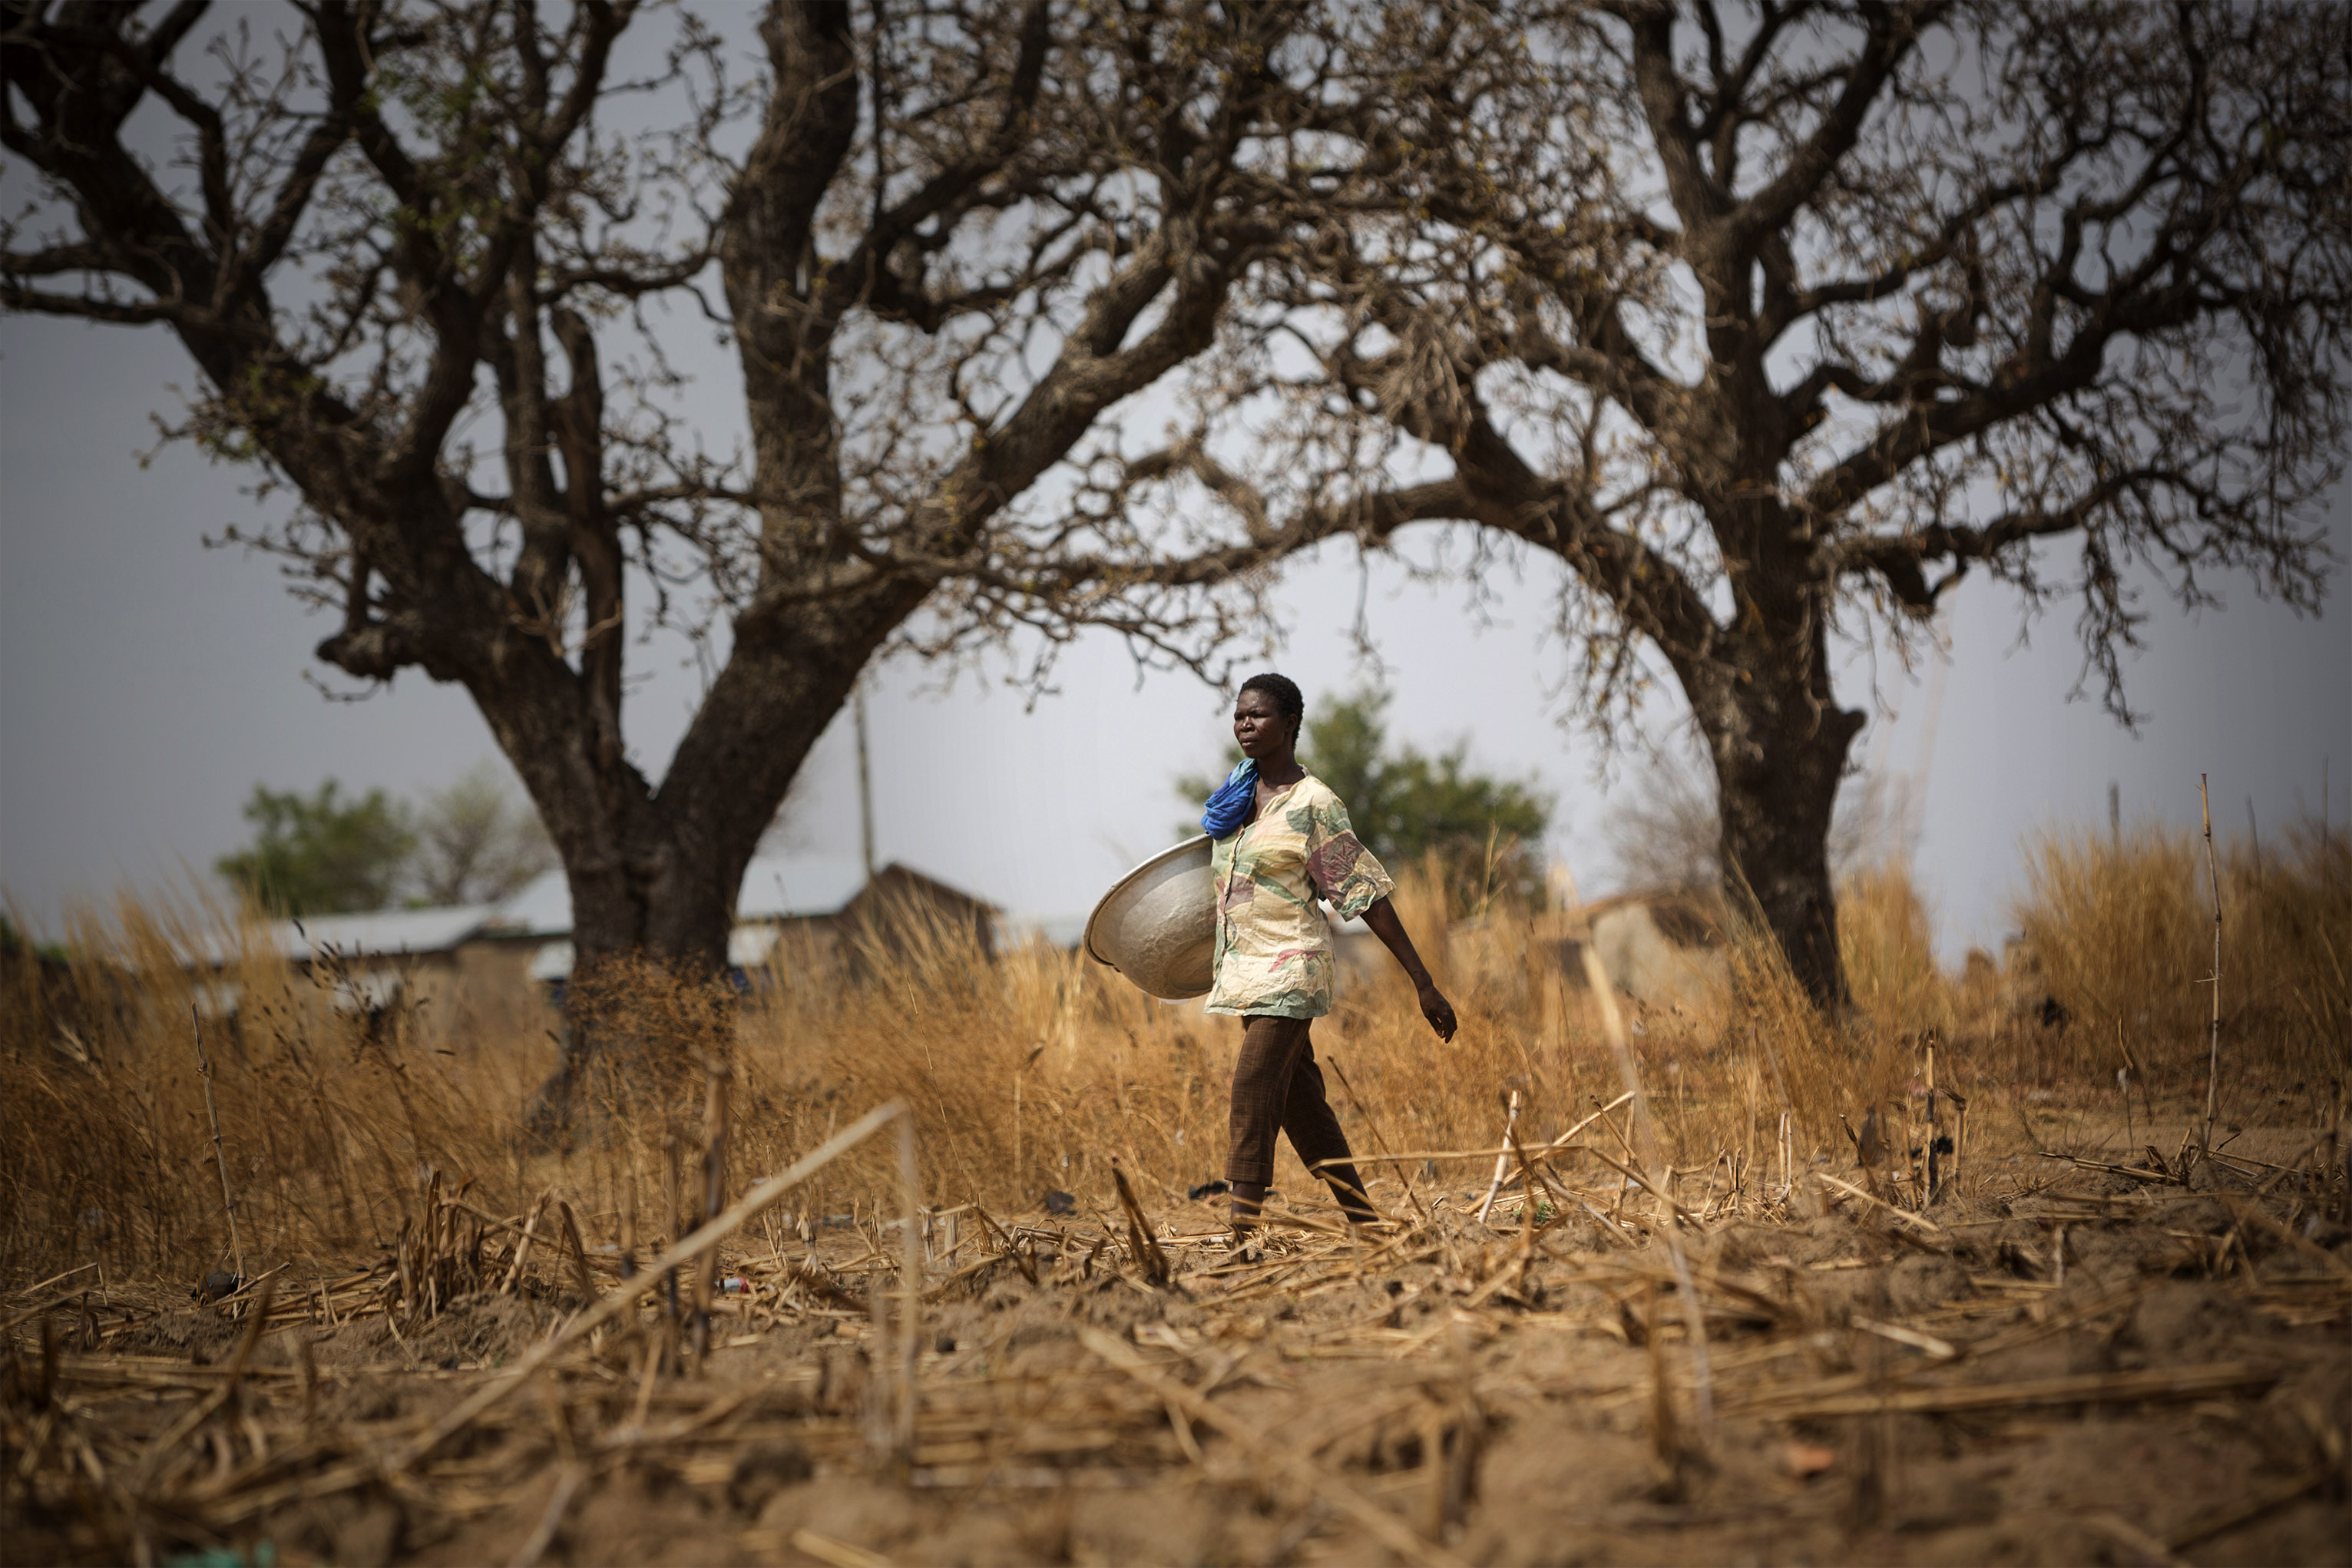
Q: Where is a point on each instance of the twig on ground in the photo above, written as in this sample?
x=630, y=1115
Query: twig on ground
x=2086, y=1388
x=203, y=1410
x=1502, y=1160
x=1918, y=1222
x=2245, y=1511
x=1147, y=1254
x=628, y=1293
x=550, y=1521
x=1385, y=1527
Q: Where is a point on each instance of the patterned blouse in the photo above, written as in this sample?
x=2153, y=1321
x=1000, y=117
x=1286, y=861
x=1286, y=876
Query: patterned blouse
x=1273, y=946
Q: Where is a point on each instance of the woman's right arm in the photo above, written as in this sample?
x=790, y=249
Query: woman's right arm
x=1382, y=918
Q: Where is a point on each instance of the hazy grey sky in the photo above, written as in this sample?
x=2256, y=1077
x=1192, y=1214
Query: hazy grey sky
x=146, y=684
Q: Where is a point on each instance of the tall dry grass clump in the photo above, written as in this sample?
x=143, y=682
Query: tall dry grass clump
x=2294, y=910
x=1887, y=943
x=328, y=1112
x=1027, y=1070
x=2114, y=931
x=1816, y=1068
x=2118, y=932
x=1030, y=1071
x=651, y=1030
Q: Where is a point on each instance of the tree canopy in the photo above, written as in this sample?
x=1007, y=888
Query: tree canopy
x=475, y=842
x=1770, y=322
x=326, y=853
x=335, y=853
x=1774, y=322
x=434, y=264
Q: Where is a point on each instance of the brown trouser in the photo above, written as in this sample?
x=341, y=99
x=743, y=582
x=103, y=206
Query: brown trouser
x=1279, y=1088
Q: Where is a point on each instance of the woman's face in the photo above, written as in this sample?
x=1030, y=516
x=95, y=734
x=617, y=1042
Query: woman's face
x=1258, y=727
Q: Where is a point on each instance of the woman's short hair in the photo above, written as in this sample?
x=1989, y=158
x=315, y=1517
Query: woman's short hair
x=1287, y=701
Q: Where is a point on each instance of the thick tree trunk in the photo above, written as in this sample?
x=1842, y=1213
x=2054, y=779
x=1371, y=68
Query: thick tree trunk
x=657, y=871
x=1778, y=756
x=638, y=886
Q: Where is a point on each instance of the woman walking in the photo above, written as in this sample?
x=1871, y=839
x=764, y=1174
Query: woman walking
x=1282, y=841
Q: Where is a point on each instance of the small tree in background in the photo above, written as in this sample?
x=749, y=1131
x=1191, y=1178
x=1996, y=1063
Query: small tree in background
x=1485, y=834
x=323, y=853
x=1665, y=828
x=477, y=842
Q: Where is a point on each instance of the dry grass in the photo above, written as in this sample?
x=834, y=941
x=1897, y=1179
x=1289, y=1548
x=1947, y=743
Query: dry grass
x=472, y=1346
x=325, y=1112
x=1031, y=1071
x=2120, y=935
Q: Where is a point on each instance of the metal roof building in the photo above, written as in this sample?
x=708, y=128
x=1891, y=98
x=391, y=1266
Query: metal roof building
x=776, y=890
x=527, y=935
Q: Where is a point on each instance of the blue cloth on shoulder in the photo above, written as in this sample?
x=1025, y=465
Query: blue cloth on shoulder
x=1229, y=807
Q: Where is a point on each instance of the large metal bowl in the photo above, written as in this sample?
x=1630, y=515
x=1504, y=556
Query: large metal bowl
x=1158, y=925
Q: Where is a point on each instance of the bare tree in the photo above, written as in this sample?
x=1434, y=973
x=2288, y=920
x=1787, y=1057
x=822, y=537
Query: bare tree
x=1664, y=830
x=431, y=260
x=1779, y=320
x=475, y=842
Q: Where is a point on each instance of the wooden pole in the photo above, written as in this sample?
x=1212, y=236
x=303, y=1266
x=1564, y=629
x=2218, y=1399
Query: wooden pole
x=910, y=1284
x=1612, y=1025
x=1935, y=1167
x=865, y=788
x=220, y=1155
x=1510, y=1121
x=2213, y=1039
x=714, y=1195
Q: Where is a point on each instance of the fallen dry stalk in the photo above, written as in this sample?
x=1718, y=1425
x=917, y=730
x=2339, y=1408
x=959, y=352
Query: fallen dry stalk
x=1918, y=1222
x=203, y=1409
x=1558, y=1144
x=1502, y=1159
x=542, y=1536
x=2244, y=1209
x=1385, y=1527
x=839, y=1553
x=630, y=1292
x=2085, y=1388
x=2245, y=1511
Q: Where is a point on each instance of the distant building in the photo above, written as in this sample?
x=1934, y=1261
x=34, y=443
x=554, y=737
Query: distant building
x=525, y=940
x=376, y=958
x=1661, y=948
x=1065, y=932
x=816, y=899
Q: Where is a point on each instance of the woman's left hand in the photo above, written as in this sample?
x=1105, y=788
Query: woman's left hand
x=1438, y=1011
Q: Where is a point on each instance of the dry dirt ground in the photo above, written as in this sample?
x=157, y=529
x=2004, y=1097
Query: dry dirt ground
x=2113, y=1368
